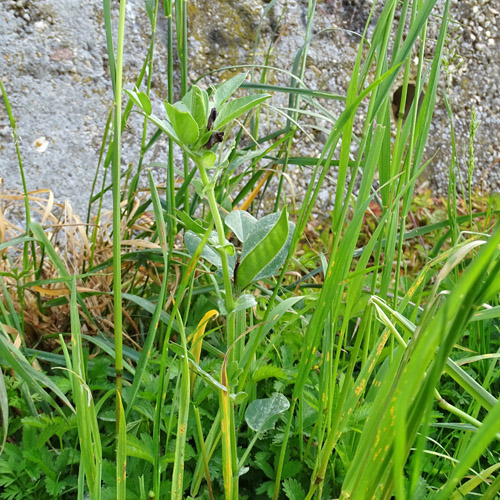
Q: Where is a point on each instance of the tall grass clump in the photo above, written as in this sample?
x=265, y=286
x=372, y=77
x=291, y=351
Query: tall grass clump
x=210, y=352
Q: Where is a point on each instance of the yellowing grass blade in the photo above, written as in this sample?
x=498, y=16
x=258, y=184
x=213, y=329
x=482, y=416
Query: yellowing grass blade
x=197, y=337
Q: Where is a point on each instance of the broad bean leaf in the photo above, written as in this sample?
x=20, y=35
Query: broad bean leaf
x=227, y=89
x=237, y=107
x=241, y=223
x=196, y=101
x=265, y=248
x=141, y=99
x=183, y=123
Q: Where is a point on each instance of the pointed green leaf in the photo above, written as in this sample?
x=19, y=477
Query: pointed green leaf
x=146, y=103
x=237, y=107
x=189, y=223
x=141, y=99
x=183, y=123
x=166, y=126
x=227, y=89
x=150, y=9
x=134, y=97
x=261, y=414
x=264, y=249
x=197, y=104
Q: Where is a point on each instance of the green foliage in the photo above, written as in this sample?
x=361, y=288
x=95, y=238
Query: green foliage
x=40, y=459
x=34, y=473
x=183, y=123
x=293, y=490
x=355, y=356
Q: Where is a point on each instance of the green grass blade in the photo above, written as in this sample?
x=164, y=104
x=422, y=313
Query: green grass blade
x=4, y=409
x=482, y=438
x=158, y=309
x=32, y=377
x=88, y=429
x=121, y=453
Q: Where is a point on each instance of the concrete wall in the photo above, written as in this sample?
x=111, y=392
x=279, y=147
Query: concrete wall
x=54, y=67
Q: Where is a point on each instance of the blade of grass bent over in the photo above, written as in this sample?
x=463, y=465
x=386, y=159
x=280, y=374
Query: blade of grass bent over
x=32, y=377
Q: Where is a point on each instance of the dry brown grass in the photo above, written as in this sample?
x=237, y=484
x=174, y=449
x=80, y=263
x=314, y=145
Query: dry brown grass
x=38, y=293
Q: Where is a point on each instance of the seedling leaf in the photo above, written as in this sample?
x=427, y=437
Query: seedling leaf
x=197, y=105
x=227, y=89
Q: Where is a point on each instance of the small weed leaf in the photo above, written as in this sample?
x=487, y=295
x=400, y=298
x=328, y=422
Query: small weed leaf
x=265, y=248
x=261, y=414
x=268, y=371
x=293, y=490
x=183, y=123
x=141, y=99
x=146, y=103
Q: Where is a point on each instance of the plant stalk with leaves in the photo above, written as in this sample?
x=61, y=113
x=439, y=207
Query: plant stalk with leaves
x=197, y=124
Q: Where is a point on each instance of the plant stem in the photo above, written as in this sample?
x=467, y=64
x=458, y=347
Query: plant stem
x=117, y=268
x=227, y=427
x=117, y=295
x=219, y=227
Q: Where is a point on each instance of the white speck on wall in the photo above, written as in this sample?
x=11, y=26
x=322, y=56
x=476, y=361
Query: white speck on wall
x=40, y=144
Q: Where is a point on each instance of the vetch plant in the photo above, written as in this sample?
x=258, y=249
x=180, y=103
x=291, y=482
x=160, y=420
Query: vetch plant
x=197, y=123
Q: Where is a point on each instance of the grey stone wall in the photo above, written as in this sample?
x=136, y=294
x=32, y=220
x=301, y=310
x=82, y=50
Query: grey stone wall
x=54, y=67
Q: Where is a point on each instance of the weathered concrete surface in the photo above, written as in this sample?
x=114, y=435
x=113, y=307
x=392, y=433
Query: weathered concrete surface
x=54, y=67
